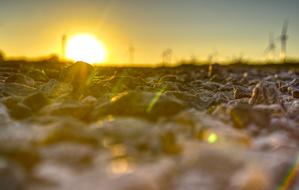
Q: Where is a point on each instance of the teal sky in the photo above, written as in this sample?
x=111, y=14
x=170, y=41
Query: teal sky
x=33, y=28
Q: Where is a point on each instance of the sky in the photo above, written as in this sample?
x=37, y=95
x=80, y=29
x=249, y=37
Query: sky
x=226, y=29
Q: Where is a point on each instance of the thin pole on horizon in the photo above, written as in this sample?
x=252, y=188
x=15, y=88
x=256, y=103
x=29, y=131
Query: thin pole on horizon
x=63, y=46
x=283, y=40
x=131, y=54
x=167, y=56
x=270, y=50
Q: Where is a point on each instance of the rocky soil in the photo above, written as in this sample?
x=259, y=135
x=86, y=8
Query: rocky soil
x=190, y=127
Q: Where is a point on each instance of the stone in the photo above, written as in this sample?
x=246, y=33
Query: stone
x=219, y=98
x=279, y=140
x=74, y=155
x=138, y=137
x=79, y=75
x=170, y=143
x=69, y=132
x=171, y=78
x=12, y=177
x=73, y=109
x=214, y=69
x=36, y=101
x=206, y=128
x=21, y=79
x=56, y=89
x=38, y=75
x=251, y=178
x=4, y=117
x=212, y=86
x=295, y=93
x=241, y=92
x=265, y=93
x=275, y=110
x=152, y=176
x=99, y=90
x=124, y=83
x=244, y=115
x=21, y=153
x=294, y=83
x=90, y=100
x=20, y=111
x=293, y=110
x=142, y=104
x=188, y=99
x=16, y=89
x=10, y=101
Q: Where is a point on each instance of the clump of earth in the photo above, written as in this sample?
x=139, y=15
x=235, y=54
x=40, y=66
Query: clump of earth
x=189, y=127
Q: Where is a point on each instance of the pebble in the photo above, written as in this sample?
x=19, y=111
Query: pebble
x=295, y=93
x=265, y=93
x=16, y=89
x=243, y=115
x=142, y=104
x=38, y=75
x=21, y=79
x=20, y=111
x=12, y=177
x=36, y=101
x=241, y=92
x=79, y=76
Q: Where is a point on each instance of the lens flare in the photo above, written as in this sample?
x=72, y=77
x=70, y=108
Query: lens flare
x=287, y=181
x=212, y=138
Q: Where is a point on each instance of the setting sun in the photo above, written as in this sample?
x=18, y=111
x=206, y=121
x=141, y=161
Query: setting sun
x=86, y=48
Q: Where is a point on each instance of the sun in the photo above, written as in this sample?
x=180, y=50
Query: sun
x=86, y=48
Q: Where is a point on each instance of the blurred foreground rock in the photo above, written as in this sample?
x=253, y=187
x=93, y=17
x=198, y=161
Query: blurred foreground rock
x=79, y=75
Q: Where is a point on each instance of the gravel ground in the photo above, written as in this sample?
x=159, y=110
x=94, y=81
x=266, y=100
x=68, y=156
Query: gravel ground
x=189, y=127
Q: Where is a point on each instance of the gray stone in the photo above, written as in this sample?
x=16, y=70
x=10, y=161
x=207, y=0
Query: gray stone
x=38, y=75
x=15, y=89
x=21, y=79
x=244, y=115
x=241, y=92
x=79, y=75
x=12, y=177
x=69, y=131
x=55, y=89
x=70, y=109
x=20, y=111
x=293, y=110
x=295, y=93
x=265, y=93
x=142, y=104
x=36, y=101
x=74, y=155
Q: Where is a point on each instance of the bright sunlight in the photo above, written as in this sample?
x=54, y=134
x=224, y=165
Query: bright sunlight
x=86, y=48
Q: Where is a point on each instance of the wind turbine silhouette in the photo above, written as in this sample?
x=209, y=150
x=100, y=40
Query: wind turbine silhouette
x=283, y=40
x=167, y=56
x=270, y=50
x=131, y=54
x=63, y=46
